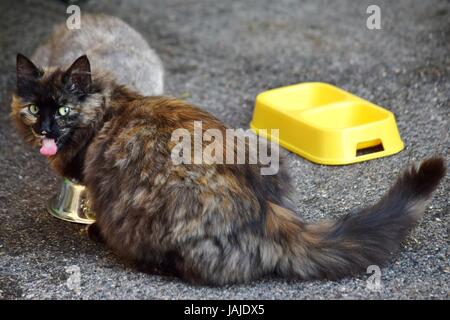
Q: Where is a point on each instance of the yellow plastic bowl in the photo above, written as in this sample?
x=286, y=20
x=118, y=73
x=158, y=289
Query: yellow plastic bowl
x=325, y=124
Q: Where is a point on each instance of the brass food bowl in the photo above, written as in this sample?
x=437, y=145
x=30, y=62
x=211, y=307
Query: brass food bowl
x=71, y=204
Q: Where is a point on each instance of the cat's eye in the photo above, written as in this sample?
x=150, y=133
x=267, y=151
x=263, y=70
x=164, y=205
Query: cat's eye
x=63, y=110
x=33, y=109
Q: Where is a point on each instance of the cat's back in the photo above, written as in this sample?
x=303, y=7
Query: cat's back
x=112, y=46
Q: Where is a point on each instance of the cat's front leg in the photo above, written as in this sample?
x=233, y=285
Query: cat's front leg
x=94, y=234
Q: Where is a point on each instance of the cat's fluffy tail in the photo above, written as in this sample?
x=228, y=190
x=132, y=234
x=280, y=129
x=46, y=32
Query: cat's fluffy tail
x=349, y=245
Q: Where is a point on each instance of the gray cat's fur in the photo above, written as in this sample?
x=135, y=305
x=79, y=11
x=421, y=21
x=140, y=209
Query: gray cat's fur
x=112, y=46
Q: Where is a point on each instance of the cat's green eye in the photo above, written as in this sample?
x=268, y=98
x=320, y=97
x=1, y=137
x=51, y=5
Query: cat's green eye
x=33, y=109
x=63, y=111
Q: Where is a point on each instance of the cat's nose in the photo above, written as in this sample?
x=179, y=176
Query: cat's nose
x=45, y=127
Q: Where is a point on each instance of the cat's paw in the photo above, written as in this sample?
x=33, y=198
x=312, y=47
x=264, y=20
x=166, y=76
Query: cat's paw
x=94, y=234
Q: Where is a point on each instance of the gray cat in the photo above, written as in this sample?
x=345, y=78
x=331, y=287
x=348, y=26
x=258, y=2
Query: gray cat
x=113, y=47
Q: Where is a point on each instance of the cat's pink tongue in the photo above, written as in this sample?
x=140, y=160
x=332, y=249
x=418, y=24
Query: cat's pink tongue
x=49, y=147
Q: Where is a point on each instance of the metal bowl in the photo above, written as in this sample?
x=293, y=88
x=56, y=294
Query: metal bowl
x=71, y=204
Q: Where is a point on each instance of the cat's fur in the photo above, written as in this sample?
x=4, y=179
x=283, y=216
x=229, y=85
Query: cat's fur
x=112, y=46
x=208, y=224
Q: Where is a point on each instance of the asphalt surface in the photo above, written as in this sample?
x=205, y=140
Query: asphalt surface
x=219, y=55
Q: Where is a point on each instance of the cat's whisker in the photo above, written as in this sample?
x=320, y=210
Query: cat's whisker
x=36, y=134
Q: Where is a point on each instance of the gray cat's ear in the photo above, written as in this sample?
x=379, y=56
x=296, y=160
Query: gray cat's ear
x=78, y=76
x=26, y=71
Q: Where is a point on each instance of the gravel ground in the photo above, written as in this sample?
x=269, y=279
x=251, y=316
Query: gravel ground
x=219, y=55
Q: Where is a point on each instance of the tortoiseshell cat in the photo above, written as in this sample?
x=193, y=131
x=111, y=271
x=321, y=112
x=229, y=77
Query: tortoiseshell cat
x=208, y=224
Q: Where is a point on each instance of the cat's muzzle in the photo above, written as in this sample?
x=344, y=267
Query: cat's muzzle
x=71, y=204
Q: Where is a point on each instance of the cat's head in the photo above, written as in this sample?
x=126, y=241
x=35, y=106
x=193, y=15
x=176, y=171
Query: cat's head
x=50, y=105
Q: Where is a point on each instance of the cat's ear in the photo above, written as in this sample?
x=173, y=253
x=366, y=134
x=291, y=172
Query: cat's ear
x=78, y=76
x=26, y=71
